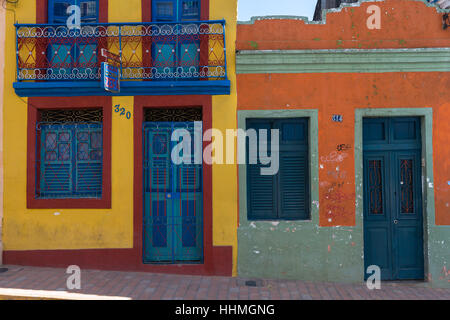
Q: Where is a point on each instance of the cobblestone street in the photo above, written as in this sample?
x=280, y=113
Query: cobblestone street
x=50, y=283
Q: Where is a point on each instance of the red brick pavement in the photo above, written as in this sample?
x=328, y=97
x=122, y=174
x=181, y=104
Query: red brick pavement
x=147, y=286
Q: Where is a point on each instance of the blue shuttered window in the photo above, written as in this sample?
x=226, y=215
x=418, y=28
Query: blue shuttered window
x=67, y=57
x=70, y=160
x=175, y=10
x=284, y=196
x=57, y=10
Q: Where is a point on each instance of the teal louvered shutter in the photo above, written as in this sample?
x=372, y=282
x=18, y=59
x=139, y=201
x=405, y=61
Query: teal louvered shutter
x=55, y=180
x=293, y=174
x=71, y=161
x=261, y=189
x=89, y=160
x=284, y=195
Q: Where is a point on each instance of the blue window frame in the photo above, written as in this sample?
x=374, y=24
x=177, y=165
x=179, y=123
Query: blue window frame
x=57, y=10
x=285, y=195
x=176, y=10
x=178, y=54
x=70, y=160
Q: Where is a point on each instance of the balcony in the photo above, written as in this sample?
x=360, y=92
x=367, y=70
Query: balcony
x=156, y=58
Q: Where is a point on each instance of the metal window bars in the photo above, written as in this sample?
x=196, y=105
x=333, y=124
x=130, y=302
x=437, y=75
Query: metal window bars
x=194, y=50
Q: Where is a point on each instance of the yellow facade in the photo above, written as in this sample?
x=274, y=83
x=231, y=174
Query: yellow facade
x=2, y=66
x=57, y=229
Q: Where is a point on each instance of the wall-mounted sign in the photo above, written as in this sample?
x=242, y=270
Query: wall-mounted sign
x=111, y=71
x=110, y=77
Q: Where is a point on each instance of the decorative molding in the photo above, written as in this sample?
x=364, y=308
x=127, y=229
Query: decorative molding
x=127, y=88
x=343, y=60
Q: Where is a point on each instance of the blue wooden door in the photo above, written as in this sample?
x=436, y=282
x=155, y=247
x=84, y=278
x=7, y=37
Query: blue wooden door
x=393, y=219
x=176, y=53
x=71, y=58
x=173, y=198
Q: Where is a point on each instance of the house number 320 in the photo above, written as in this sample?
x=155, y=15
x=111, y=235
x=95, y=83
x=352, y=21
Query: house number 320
x=122, y=111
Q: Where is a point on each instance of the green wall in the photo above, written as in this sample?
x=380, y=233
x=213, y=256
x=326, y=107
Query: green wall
x=296, y=249
x=302, y=249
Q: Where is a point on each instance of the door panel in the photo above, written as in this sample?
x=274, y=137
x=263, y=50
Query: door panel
x=408, y=225
x=377, y=224
x=393, y=219
x=173, y=200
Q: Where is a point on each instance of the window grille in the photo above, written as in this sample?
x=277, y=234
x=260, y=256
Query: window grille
x=173, y=115
x=69, y=154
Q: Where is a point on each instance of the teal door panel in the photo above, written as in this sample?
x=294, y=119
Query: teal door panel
x=377, y=220
x=408, y=223
x=393, y=218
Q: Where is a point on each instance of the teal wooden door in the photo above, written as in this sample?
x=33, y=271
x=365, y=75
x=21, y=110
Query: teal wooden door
x=176, y=47
x=70, y=58
x=393, y=219
x=173, y=198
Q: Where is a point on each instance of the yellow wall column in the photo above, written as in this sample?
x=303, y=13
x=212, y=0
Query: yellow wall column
x=2, y=66
x=224, y=117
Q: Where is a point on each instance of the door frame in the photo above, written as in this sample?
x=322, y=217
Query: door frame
x=428, y=204
x=172, y=202
x=216, y=259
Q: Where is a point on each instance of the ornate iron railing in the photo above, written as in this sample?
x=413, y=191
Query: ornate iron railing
x=149, y=51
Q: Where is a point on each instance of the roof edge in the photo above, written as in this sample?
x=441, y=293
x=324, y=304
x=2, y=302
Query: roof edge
x=331, y=10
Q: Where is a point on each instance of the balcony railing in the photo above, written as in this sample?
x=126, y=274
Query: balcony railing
x=183, y=51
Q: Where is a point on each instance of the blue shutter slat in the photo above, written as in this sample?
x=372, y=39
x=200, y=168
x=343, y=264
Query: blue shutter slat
x=56, y=178
x=286, y=194
x=261, y=194
x=56, y=161
x=294, y=185
x=261, y=188
x=89, y=161
x=89, y=178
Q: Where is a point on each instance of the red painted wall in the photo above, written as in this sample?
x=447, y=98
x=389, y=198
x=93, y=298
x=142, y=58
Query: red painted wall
x=405, y=23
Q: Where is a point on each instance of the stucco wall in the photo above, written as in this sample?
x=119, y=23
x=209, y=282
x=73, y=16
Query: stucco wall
x=77, y=229
x=330, y=247
x=2, y=66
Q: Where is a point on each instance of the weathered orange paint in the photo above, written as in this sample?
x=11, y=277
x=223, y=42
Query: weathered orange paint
x=341, y=93
x=403, y=23
x=441, y=143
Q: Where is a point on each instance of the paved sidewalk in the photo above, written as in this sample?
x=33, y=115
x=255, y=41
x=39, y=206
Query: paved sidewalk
x=49, y=283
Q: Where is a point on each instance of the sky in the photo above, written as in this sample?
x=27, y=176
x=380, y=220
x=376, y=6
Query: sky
x=250, y=8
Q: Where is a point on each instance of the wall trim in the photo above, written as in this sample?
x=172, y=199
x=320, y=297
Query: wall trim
x=34, y=105
x=343, y=60
x=128, y=88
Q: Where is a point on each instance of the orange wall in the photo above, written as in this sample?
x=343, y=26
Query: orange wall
x=405, y=23
x=339, y=93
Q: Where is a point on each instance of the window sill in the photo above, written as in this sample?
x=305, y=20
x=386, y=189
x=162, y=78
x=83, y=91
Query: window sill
x=69, y=204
